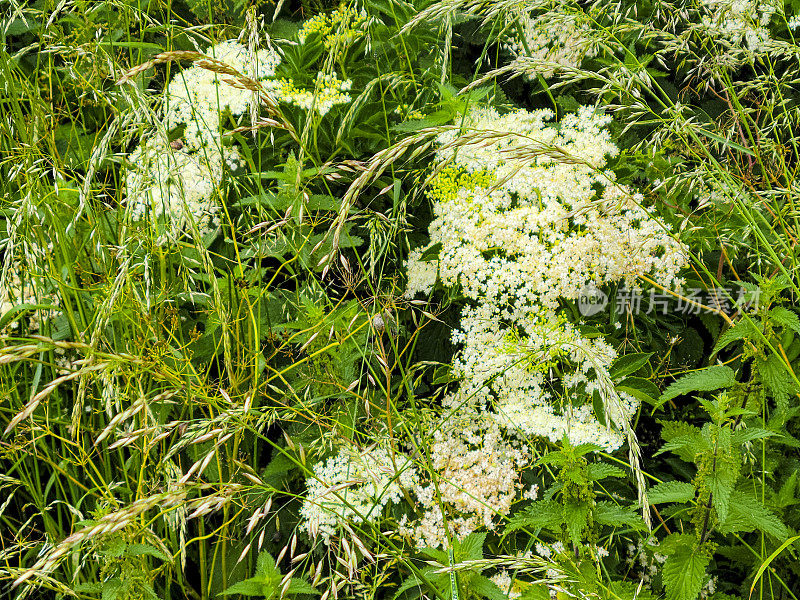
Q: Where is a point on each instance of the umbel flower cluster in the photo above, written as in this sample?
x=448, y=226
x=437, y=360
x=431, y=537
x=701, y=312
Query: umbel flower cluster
x=743, y=22
x=177, y=181
x=521, y=226
x=553, y=40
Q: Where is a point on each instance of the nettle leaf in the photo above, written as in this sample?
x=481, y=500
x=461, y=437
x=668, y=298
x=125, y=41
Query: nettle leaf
x=301, y=586
x=470, y=548
x=720, y=483
x=785, y=317
x=576, y=516
x=742, y=330
x=146, y=550
x=682, y=439
x=671, y=491
x=746, y=513
x=704, y=380
x=684, y=572
x=775, y=377
x=542, y=513
x=598, y=471
x=486, y=588
x=112, y=589
x=608, y=513
x=741, y=436
x=254, y=586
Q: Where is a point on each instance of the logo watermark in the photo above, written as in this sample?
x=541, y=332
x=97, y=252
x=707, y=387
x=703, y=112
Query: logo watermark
x=689, y=301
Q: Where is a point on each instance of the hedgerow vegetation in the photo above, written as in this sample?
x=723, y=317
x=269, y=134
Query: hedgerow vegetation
x=398, y=299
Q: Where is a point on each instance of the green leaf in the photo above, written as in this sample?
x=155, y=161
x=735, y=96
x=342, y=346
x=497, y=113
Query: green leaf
x=112, y=589
x=146, y=550
x=741, y=330
x=470, y=548
x=720, y=483
x=775, y=377
x=576, y=516
x=684, y=572
x=485, y=588
x=671, y=491
x=300, y=586
x=598, y=471
x=643, y=390
x=542, y=513
x=746, y=513
x=628, y=364
x=255, y=586
x=704, y=380
x=608, y=513
x=785, y=317
x=265, y=566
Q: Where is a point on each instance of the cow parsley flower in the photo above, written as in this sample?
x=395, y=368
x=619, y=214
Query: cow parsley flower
x=354, y=486
x=552, y=40
x=527, y=216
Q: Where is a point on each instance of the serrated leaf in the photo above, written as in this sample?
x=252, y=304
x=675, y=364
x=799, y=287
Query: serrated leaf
x=146, y=550
x=671, y=491
x=255, y=586
x=741, y=330
x=576, y=517
x=470, y=548
x=720, y=483
x=300, y=586
x=112, y=589
x=746, y=513
x=608, y=513
x=684, y=572
x=748, y=434
x=265, y=565
x=542, y=513
x=775, y=377
x=485, y=588
x=785, y=317
x=598, y=471
x=704, y=380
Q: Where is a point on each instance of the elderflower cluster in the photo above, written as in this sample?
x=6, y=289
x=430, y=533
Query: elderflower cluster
x=422, y=274
x=178, y=186
x=477, y=480
x=176, y=182
x=354, y=486
x=740, y=21
x=522, y=226
x=552, y=41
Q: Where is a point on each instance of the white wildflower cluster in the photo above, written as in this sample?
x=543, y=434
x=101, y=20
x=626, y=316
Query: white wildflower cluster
x=740, y=21
x=553, y=41
x=422, y=274
x=354, y=486
x=646, y=559
x=177, y=185
x=522, y=225
x=328, y=91
x=477, y=480
x=177, y=181
x=507, y=584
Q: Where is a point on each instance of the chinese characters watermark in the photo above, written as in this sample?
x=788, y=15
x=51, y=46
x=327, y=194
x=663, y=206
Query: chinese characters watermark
x=689, y=301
